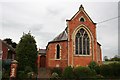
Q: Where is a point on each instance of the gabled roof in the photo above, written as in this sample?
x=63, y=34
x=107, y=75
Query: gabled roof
x=81, y=8
x=61, y=37
x=64, y=35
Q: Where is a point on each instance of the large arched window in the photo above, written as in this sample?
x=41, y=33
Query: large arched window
x=82, y=43
x=58, y=51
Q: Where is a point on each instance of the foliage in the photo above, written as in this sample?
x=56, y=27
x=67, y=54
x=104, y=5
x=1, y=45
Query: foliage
x=83, y=72
x=115, y=69
x=30, y=74
x=68, y=73
x=110, y=70
x=0, y=65
x=21, y=74
x=6, y=68
x=0, y=74
x=28, y=69
x=92, y=65
x=93, y=71
x=54, y=76
x=105, y=70
x=6, y=64
x=97, y=69
x=10, y=42
x=26, y=52
x=6, y=73
x=56, y=70
x=115, y=59
x=106, y=58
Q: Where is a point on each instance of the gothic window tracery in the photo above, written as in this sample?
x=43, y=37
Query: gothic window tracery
x=82, y=43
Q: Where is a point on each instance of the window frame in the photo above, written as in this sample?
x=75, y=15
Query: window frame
x=82, y=18
x=83, y=40
x=57, y=51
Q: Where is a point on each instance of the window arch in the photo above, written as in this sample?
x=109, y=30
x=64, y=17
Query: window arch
x=82, y=19
x=82, y=43
x=58, y=51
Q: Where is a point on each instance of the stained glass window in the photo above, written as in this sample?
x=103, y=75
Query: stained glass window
x=82, y=43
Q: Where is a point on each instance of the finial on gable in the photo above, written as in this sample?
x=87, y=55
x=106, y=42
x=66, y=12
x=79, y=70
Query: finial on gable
x=81, y=7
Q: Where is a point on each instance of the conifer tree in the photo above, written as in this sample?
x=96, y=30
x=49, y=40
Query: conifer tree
x=26, y=53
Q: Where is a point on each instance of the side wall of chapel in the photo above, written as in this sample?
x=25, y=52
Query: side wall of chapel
x=51, y=55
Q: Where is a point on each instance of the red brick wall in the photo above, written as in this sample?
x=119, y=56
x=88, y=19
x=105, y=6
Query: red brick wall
x=68, y=56
x=90, y=26
x=5, y=51
x=51, y=61
x=99, y=54
x=82, y=60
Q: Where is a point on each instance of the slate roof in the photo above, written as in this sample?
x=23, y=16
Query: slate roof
x=61, y=37
x=64, y=35
x=42, y=51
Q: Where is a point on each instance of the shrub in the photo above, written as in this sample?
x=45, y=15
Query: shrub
x=54, y=76
x=110, y=70
x=30, y=75
x=105, y=70
x=6, y=73
x=57, y=70
x=6, y=64
x=92, y=65
x=68, y=73
x=97, y=69
x=115, y=69
x=21, y=75
x=84, y=72
x=28, y=69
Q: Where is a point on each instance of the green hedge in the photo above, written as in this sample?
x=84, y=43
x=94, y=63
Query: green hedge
x=84, y=72
x=92, y=65
x=68, y=73
x=93, y=70
x=110, y=70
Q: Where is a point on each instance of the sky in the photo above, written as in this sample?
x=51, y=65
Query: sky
x=46, y=19
x=119, y=28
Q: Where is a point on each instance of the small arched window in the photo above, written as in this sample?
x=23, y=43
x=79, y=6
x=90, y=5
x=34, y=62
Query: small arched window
x=82, y=43
x=82, y=19
x=58, y=51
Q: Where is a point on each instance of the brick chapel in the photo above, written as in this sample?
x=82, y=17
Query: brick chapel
x=77, y=45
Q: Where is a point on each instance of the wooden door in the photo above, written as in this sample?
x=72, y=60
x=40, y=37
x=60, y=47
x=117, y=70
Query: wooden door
x=42, y=61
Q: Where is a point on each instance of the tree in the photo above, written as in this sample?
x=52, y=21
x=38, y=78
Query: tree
x=10, y=42
x=105, y=58
x=26, y=52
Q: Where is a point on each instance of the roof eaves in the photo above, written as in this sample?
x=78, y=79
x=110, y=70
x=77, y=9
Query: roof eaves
x=98, y=43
